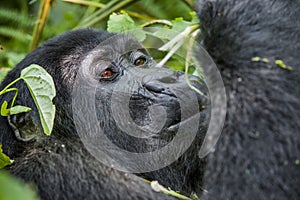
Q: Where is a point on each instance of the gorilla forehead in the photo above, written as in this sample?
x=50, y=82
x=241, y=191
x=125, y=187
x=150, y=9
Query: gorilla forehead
x=118, y=45
x=114, y=50
x=100, y=47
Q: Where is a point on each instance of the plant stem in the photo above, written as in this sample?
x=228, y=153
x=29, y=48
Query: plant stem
x=15, y=97
x=86, y=3
x=157, y=21
x=40, y=22
x=95, y=14
x=9, y=85
x=187, y=63
x=101, y=5
x=91, y=7
x=8, y=89
x=139, y=16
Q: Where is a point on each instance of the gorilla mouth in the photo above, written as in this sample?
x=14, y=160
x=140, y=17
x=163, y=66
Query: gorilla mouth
x=175, y=126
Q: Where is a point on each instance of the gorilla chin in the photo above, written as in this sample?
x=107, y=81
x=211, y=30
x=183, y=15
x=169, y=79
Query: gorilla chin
x=109, y=92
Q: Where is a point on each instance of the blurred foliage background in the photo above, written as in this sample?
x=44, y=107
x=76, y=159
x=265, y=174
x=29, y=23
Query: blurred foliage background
x=22, y=28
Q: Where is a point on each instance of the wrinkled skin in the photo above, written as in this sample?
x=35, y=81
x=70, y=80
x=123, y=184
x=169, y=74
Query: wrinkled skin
x=256, y=155
x=60, y=165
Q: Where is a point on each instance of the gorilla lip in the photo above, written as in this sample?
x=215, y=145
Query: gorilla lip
x=174, y=127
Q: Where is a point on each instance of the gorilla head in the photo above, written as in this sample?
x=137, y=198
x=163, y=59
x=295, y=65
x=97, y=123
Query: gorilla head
x=109, y=96
x=141, y=104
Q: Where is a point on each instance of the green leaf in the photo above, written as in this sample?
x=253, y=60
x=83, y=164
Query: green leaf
x=13, y=189
x=4, y=159
x=4, y=111
x=19, y=109
x=122, y=23
x=178, y=26
x=195, y=18
x=42, y=90
x=165, y=33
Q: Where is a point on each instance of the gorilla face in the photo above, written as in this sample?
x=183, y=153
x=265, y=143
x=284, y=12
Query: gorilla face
x=110, y=95
x=137, y=102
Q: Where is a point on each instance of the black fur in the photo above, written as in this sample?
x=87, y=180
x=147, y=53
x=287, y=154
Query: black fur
x=60, y=165
x=256, y=156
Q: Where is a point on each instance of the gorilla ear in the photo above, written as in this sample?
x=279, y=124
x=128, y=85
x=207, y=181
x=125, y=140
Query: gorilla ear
x=25, y=126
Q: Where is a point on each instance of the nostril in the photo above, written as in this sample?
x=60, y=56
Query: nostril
x=171, y=78
x=168, y=79
x=154, y=87
x=178, y=73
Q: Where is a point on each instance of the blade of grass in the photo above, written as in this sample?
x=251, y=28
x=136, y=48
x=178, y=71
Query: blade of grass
x=16, y=17
x=190, y=4
x=111, y=7
x=86, y=3
x=100, y=5
x=15, y=33
x=91, y=8
x=98, y=12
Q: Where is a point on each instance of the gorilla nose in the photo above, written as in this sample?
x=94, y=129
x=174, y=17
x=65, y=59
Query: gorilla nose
x=154, y=87
x=163, y=84
x=173, y=78
x=159, y=85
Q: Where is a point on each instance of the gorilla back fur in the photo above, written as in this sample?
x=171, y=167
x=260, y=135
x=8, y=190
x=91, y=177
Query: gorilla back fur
x=257, y=156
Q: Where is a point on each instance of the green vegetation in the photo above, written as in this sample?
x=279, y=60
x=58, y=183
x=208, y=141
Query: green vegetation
x=4, y=159
x=278, y=63
x=13, y=189
x=25, y=25
x=42, y=90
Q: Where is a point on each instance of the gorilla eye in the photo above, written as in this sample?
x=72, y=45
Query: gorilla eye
x=107, y=73
x=140, y=61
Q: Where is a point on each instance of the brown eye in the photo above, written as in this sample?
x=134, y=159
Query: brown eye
x=107, y=73
x=139, y=61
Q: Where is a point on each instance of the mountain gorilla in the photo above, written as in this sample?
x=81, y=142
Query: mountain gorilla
x=257, y=156
x=60, y=165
